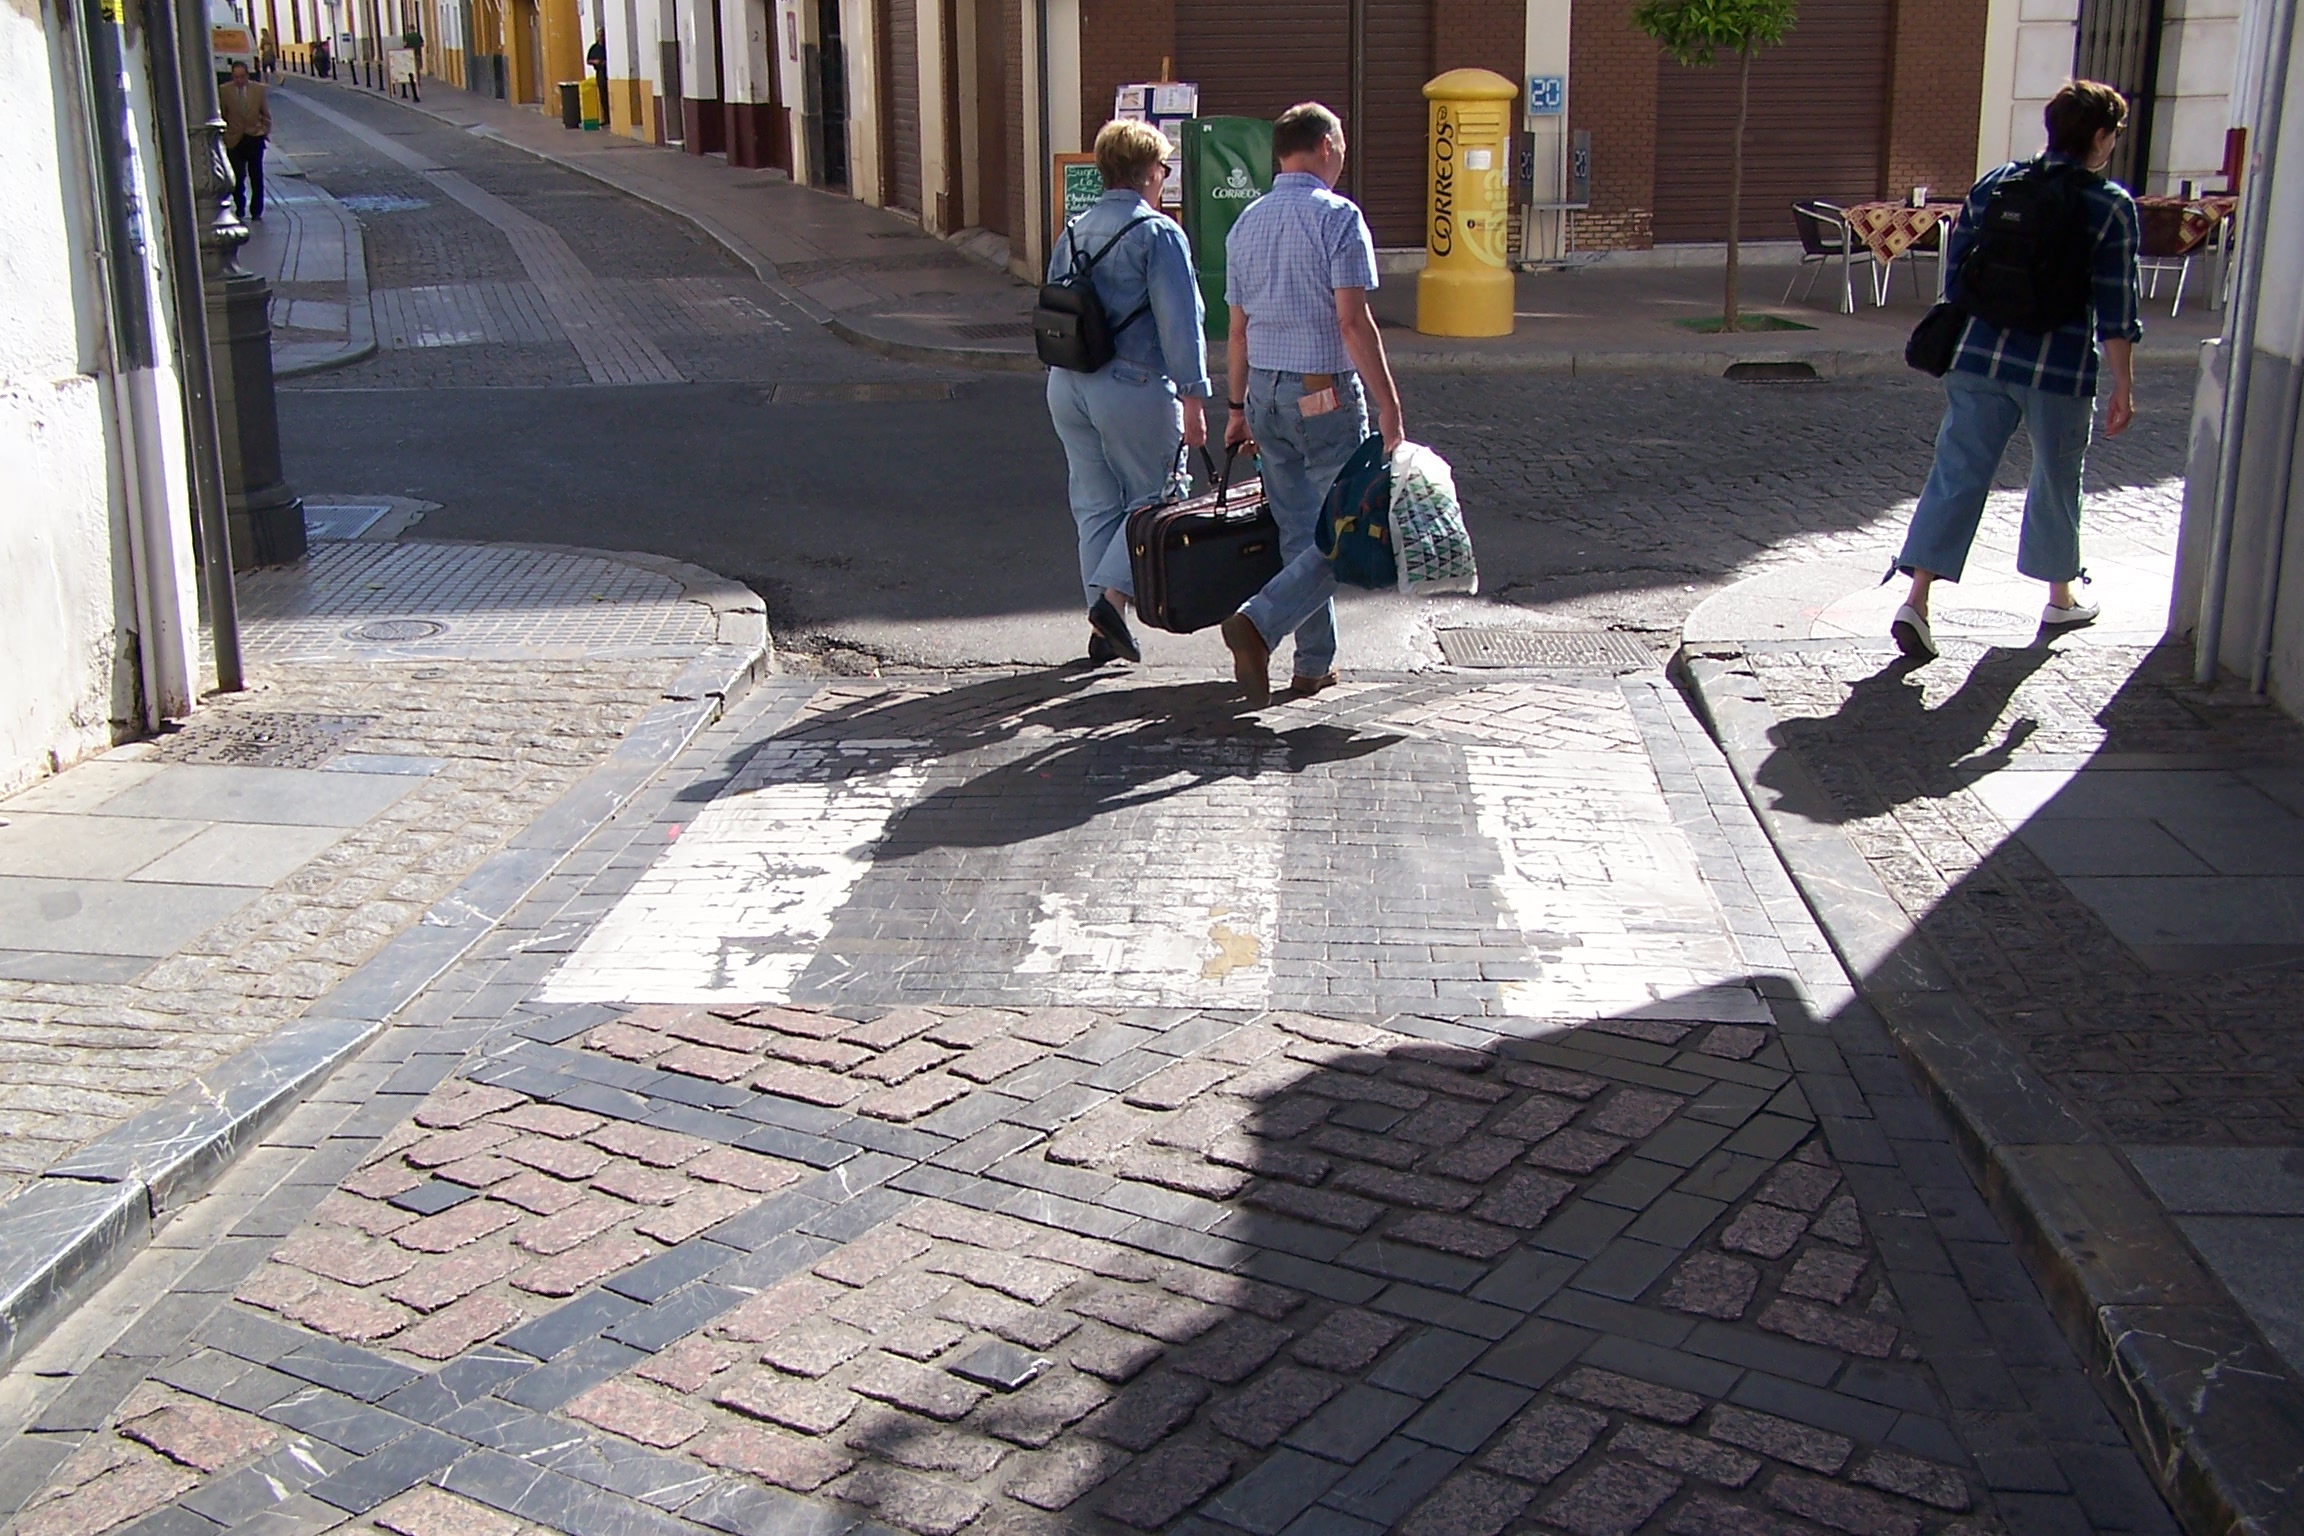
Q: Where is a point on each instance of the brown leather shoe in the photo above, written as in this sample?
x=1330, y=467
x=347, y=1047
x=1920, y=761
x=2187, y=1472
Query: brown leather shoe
x=1305, y=687
x=1251, y=659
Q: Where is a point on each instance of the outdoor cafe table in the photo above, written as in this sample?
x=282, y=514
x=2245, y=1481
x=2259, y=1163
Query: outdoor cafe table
x=1892, y=229
x=2175, y=227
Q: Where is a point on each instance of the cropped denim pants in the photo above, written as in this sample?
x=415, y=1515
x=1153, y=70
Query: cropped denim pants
x=1123, y=434
x=1979, y=418
x=1302, y=456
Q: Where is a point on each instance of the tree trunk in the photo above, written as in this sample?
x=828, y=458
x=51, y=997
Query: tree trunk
x=1736, y=183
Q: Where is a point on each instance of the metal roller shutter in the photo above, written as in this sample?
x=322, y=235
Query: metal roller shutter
x=1389, y=147
x=900, y=104
x=1818, y=126
x=1257, y=60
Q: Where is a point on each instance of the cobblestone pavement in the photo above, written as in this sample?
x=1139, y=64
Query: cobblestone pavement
x=866, y=1244
x=490, y=267
x=484, y=726
x=2204, y=1055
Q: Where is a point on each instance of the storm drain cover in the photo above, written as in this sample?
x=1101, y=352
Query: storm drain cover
x=1597, y=650
x=395, y=631
x=259, y=739
x=1984, y=618
x=990, y=330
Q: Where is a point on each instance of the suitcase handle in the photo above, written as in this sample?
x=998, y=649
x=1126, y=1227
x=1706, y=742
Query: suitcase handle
x=1220, y=481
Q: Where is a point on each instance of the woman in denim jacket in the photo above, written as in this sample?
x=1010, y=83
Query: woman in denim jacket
x=1124, y=427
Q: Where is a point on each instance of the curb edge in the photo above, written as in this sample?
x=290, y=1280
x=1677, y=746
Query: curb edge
x=71, y=1228
x=2183, y=1369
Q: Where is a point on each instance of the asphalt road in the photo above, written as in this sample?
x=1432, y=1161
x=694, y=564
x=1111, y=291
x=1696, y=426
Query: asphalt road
x=918, y=515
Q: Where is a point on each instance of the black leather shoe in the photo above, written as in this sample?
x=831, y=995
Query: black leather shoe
x=1100, y=650
x=1105, y=619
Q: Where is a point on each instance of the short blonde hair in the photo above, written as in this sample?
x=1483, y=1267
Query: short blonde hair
x=1127, y=151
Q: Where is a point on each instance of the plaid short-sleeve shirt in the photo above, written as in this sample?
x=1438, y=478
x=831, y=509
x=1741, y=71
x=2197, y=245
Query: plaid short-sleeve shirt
x=1283, y=262
x=2061, y=362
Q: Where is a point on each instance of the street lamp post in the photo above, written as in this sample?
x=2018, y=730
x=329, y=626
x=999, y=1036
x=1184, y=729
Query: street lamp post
x=266, y=517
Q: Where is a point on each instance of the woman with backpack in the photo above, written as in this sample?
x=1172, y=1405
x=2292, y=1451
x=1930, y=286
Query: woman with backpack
x=2043, y=265
x=1126, y=421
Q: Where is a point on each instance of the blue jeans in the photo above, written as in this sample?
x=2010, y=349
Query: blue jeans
x=1123, y=434
x=1980, y=417
x=1302, y=455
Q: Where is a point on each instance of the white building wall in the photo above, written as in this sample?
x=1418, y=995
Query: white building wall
x=66, y=598
x=2199, y=55
x=2028, y=51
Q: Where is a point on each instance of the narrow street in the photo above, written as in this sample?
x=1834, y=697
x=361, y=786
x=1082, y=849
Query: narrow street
x=1005, y=1097
x=767, y=450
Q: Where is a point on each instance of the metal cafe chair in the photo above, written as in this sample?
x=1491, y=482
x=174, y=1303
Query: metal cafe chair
x=2160, y=248
x=1825, y=238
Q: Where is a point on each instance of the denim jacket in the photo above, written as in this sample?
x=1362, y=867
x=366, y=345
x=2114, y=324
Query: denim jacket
x=1172, y=337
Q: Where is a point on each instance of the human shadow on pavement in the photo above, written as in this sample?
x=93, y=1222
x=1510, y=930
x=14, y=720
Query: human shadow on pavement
x=1955, y=743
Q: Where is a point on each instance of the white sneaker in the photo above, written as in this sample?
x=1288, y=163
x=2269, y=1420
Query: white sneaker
x=2053, y=617
x=1911, y=634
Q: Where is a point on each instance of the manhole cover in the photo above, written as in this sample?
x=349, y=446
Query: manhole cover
x=253, y=739
x=1600, y=650
x=395, y=631
x=1984, y=618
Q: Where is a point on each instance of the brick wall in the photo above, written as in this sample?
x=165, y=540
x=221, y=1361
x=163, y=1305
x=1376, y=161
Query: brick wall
x=1936, y=91
x=1612, y=95
x=1120, y=41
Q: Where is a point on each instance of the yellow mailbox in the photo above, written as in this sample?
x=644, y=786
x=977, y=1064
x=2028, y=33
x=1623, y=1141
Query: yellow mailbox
x=1465, y=288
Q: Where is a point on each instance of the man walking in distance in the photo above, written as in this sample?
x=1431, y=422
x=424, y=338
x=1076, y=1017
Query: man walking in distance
x=247, y=124
x=2046, y=378
x=1305, y=364
x=597, y=58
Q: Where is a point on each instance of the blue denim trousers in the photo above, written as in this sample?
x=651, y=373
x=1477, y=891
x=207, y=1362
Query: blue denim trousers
x=1123, y=434
x=1980, y=417
x=1302, y=455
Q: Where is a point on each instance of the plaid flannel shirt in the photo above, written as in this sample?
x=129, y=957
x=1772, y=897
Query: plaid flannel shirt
x=2062, y=362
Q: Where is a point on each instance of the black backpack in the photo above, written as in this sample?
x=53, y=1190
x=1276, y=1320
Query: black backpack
x=2031, y=266
x=1069, y=326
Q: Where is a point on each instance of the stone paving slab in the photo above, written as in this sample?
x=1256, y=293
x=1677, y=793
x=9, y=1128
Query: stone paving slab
x=826, y=1264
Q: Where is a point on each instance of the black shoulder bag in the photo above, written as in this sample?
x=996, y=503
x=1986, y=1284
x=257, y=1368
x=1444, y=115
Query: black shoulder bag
x=1069, y=326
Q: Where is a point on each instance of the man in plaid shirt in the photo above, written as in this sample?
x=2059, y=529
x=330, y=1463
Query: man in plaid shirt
x=2046, y=380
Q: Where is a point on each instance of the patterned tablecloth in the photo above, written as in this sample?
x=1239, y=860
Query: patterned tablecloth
x=1891, y=229
x=2178, y=226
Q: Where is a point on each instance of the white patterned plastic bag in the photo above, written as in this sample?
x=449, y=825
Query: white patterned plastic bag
x=1433, y=550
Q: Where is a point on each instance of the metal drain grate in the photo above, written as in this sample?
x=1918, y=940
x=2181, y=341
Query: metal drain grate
x=263, y=740
x=395, y=631
x=1591, y=650
x=995, y=330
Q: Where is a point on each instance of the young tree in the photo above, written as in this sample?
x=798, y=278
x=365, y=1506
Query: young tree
x=1692, y=31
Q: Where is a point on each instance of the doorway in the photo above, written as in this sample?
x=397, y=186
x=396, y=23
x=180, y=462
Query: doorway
x=530, y=25
x=2119, y=44
x=832, y=91
x=992, y=116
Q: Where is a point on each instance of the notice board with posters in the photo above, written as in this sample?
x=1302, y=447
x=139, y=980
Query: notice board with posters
x=1167, y=105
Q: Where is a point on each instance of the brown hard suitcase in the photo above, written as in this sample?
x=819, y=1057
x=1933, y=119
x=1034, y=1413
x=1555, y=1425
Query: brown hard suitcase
x=1197, y=560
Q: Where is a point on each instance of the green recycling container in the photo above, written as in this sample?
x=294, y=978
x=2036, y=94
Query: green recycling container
x=1227, y=166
